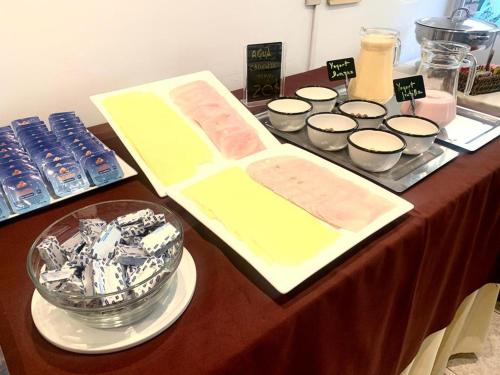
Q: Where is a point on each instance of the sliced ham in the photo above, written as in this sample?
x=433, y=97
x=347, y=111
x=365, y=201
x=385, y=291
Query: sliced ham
x=317, y=190
x=230, y=133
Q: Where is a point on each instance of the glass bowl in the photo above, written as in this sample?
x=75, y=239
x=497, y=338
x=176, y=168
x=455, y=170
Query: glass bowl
x=133, y=303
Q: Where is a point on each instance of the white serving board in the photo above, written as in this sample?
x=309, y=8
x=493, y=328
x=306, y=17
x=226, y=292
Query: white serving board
x=68, y=333
x=285, y=278
x=162, y=89
x=128, y=171
x=282, y=278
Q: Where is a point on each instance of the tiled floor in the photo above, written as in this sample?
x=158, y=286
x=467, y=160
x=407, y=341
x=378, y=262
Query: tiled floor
x=488, y=362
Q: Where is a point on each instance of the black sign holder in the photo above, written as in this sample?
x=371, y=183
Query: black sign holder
x=341, y=67
x=264, y=73
x=409, y=89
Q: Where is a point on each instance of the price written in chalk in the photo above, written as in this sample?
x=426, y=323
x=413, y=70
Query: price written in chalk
x=341, y=69
x=264, y=71
x=408, y=88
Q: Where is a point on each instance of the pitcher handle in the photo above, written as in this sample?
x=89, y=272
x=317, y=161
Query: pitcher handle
x=471, y=74
x=397, y=52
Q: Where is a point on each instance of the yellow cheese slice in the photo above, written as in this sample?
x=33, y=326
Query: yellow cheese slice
x=271, y=226
x=166, y=143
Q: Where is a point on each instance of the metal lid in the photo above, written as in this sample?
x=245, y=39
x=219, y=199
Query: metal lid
x=458, y=22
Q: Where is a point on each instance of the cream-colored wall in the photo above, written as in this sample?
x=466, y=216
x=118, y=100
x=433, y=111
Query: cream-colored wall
x=56, y=53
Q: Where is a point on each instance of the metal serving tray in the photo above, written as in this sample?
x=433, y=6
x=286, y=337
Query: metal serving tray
x=407, y=172
x=469, y=131
x=128, y=172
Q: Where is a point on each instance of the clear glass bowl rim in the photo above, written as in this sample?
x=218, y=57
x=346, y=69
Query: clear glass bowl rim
x=78, y=297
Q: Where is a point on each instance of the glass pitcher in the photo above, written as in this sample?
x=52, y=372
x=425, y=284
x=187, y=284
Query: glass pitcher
x=379, y=52
x=440, y=67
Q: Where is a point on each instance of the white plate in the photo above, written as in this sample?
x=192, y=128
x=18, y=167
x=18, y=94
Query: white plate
x=285, y=278
x=162, y=89
x=128, y=171
x=61, y=329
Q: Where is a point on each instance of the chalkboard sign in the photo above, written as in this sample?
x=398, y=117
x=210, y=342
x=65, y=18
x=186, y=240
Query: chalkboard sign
x=406, y=88
x=339, y=69
x=264, y=71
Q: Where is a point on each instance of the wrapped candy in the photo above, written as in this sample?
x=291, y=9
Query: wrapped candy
x=108, y=278
x=104, y=246
x=134, y=217
x=50, y=251
x=129, y=255
x=105, y=258
x=145, y=271
x=157, y=241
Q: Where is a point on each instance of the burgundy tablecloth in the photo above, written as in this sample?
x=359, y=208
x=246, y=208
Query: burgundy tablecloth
x=366, y=313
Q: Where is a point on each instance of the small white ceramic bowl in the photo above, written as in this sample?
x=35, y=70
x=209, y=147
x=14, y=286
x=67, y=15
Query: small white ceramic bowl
x=288, y=114
x=375, y=150
x=322, y=98
x=419, y=133
x=369, y=114
x=329, y=131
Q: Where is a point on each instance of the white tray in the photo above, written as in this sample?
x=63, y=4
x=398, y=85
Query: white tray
x=282, y=278
x=162, y=89
x=128, y=171
x=61, y=329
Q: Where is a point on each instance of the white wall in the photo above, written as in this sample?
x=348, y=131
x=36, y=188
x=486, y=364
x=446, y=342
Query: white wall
x=56, y=53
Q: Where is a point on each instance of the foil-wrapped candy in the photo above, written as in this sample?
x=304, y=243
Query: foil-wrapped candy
x=104, y=246
x=104, y=258
x=129, y=255
x=134, y=217
x=158, y=240
x=51, y=253
x=90, y=229
x=109, y=278
x=144, y=272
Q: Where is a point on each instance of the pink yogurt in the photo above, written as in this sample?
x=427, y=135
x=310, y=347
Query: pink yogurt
x=439, y=106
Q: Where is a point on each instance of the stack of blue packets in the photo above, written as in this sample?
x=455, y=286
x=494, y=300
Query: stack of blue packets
x=37, y=164
x=93, y=156
x=58, y=166
x=20, y=178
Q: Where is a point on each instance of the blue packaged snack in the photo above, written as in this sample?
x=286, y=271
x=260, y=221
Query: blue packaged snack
x=27, y=133
x=32, y=126
x=30, y=132
x=17, y=171
x=7, y=136
x=6, y=129
x=40, y=140
x=62, y=114
x=17, y=158
x=10, y=143
x=83, y=152
x=13, y=155
x=67, y=125
x=24, y=121
x=61, y=119
x=103, y=168
x=86, y=142
x=66, y=177
x=65, y=122
x=53, y=154
x=72, y=139
x=44, y=146
x=64, y=119
x=69, y=131
x=11, y=148
x=26, y=192
x=4, y=208
x=21, y=165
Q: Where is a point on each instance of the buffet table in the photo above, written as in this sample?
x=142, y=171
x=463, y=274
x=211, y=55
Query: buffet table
x=366, y=313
